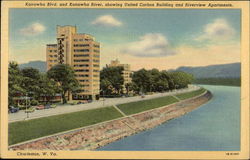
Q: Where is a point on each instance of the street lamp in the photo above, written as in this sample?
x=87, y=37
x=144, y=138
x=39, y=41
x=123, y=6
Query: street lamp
x=26, y=98
x=103, y=97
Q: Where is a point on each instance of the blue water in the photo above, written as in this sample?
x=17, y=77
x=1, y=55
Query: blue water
x=215, y=126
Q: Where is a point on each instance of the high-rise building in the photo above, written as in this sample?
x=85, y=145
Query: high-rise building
x=82, y=53
x=126, y=72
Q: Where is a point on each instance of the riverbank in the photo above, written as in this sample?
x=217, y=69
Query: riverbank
x=95, y=136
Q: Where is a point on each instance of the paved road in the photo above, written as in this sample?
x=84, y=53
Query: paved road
x=21, y=115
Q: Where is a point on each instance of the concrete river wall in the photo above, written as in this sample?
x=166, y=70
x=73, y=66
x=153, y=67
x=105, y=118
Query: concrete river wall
x=98, y=135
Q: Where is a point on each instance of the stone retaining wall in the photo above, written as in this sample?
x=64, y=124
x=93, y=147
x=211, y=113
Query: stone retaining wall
x=95, y=136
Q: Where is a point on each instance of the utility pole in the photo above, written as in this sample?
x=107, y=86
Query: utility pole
x=27, y=105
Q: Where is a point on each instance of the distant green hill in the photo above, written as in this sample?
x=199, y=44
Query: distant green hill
x=219, y=81
x=231, y=70
x=40, y=65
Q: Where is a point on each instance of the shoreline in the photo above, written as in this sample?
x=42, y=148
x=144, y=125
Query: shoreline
x=99, y=135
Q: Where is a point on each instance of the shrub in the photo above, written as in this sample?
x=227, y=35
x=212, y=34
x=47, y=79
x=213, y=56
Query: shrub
x=34, y=102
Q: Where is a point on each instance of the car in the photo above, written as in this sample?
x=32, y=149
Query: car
x=53, y=106
x=40, y=107
x=142, y=95
x=13, y=109
x=29, y=110
x=84, y=101
x=73, y=103
x=47, y=106
x=89, y=101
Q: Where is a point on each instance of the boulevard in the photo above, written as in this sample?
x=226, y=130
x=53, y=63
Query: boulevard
x=61, y=109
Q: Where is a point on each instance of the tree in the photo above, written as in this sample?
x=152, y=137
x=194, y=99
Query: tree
x=64, y=75
x=128, y=87
x=111, y=78
x=14, y=82
x=105, y=86
x=30, y=82
x=142, y=79
x=181, y=79
x=47, y=87
x=154, y=79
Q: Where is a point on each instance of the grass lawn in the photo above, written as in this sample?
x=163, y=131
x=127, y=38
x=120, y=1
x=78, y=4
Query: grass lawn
x=136, y=107
x=35, y=128
x=183, y=96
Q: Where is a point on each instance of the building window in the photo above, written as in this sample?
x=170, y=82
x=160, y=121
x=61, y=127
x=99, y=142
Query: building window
x=95, y=75
x=97, y=46
x=55, y=55
x=96, y=51
x=81, y=50
x=95, y=60
x=81, y=55
x=83, y=80
x=86, y=85
x=82, y=75
x=95, y=70
x=81, y=45
x=81, y=60
x=96, y=55
x=81, y=70
x=75, y=40
x=81, y=65
x=96, y=65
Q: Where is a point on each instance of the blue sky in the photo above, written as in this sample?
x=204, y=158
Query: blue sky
x=157, y=38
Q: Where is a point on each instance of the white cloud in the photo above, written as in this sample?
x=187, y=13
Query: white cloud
x=107, y=21
x=219, y=29
x=33, y=29
x=149, y=45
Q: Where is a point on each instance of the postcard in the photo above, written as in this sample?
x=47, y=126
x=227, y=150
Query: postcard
x=125, y=79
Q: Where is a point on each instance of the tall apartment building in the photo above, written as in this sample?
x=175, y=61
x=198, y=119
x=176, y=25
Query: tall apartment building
x=126, y=72
x=82, y=53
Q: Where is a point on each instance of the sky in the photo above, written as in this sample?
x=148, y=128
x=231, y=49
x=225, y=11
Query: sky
x=144, y=38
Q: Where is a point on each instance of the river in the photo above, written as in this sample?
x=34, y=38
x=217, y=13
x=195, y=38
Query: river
x=215, y=126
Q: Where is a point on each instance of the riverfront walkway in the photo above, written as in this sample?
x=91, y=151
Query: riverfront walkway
x=61, y=109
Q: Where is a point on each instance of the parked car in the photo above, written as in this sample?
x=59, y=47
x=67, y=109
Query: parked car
x=84, y=101
x=47, y=106
x=40, y=107
x=142, y=95
x=89, y=101
x=53, y=106
x=29, y=110
x=13, y=109
x=73, y=103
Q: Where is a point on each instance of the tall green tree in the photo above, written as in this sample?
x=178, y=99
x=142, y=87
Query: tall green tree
x=142, y=79
x=129, y=87
x=154, y=79
x=64, y=75
x=105, y=86
x=30, y=82
x=111, y=78
x=47, y=87
x=14, y=82
x=181, y=79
